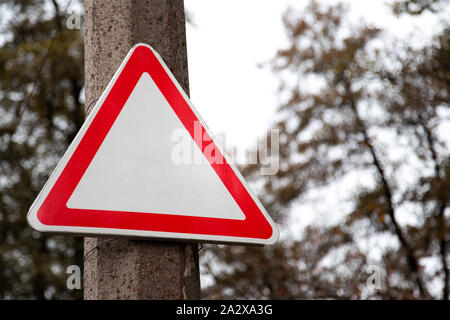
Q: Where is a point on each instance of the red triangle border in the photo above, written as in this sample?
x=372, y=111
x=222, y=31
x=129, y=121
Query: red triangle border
x=53, y=211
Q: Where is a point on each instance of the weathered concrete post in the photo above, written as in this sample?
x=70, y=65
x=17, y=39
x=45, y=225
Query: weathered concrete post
x=125, y=269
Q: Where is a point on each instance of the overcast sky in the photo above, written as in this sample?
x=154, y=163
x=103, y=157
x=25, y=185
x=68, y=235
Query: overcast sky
x=229, y=39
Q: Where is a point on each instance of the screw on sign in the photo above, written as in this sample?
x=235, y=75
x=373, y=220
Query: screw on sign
x=118, y=177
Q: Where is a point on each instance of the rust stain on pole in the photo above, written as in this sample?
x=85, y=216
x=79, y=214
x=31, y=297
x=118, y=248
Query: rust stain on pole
x=138, y=269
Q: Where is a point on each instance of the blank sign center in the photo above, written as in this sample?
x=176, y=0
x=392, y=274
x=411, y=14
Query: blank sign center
x=133, y=170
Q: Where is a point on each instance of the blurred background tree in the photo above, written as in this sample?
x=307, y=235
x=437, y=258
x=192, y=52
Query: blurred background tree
x=41, y=110
x=371, y=117
x=359, y=112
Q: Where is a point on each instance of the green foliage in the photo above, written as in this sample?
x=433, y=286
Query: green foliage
x=41, y=79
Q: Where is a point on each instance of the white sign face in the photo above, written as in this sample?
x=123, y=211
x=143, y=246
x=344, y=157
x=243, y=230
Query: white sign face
x=144, y=165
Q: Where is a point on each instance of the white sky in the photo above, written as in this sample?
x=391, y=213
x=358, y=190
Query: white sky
x=231, y=38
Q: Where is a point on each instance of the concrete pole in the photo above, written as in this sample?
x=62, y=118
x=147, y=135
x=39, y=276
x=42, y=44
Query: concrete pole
x=125, y=269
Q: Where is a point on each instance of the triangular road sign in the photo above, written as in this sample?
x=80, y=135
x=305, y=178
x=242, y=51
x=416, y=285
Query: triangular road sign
x=127, y=172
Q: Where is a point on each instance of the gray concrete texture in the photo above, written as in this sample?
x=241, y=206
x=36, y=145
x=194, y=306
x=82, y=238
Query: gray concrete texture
x=136, y=269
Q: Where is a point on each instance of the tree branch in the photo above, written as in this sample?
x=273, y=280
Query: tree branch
x=442, y=204
x=411, y=258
